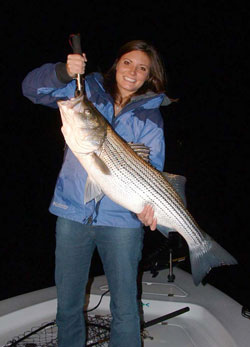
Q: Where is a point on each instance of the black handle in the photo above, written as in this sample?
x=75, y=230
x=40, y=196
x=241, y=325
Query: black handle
x=76, y=43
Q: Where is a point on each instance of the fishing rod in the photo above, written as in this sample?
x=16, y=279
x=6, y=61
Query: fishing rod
x=75, y=43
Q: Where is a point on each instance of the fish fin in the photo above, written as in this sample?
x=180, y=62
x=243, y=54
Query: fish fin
x=165, y=230
x=140, y=149
x=204, y=258
x=92, y=191
x=178, y=182
x=101, y=165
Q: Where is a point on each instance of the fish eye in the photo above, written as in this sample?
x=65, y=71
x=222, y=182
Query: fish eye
x=87, y=111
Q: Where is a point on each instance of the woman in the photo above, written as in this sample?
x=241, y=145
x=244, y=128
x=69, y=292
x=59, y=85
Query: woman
x=129, y=96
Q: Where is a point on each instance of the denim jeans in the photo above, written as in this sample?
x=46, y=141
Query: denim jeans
x=120, y=252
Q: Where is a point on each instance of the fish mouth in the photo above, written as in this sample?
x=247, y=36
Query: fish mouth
x=73, y=103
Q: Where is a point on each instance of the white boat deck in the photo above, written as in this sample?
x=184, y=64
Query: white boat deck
x=214, y=319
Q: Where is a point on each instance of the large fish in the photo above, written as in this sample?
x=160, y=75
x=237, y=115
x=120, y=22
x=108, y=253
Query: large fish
x=116, y=170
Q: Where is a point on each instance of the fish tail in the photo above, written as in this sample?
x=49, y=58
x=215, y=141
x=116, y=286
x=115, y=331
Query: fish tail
x=203, y=259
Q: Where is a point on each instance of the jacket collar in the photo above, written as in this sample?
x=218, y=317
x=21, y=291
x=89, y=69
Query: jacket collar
x=165, y=101
x=149, y=95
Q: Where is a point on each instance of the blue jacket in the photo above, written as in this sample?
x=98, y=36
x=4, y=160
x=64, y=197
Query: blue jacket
x=140, y=122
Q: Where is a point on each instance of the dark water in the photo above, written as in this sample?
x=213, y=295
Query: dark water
x=207, y=138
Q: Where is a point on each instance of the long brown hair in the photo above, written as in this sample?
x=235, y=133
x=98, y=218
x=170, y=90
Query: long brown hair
x=157, y=77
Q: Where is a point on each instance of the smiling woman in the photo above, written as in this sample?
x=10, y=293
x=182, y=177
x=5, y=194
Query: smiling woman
x=132, y=71
x=136, y=84
x=137, y=70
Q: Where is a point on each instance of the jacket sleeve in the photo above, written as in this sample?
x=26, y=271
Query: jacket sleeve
x=42, y=86
x=152, y=135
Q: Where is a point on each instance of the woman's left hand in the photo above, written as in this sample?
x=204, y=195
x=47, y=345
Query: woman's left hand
x=147, y=217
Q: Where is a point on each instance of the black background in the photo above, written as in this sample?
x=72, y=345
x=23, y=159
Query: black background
x=204, y=48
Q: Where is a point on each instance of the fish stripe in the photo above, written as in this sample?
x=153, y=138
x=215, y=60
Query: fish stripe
x=147, y=182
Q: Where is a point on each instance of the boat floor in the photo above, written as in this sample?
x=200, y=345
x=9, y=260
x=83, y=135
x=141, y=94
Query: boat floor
x=213, y=318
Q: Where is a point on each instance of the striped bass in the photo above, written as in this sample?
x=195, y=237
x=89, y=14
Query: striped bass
x=116, y=170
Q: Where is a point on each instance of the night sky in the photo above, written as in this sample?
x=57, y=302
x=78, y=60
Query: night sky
x=203, y=45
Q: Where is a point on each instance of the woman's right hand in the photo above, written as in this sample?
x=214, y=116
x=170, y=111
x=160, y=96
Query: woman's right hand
x=76, y=64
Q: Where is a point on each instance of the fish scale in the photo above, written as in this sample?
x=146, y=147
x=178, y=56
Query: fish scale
x=147, y=182
x=151, y=186
x=116, y=170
